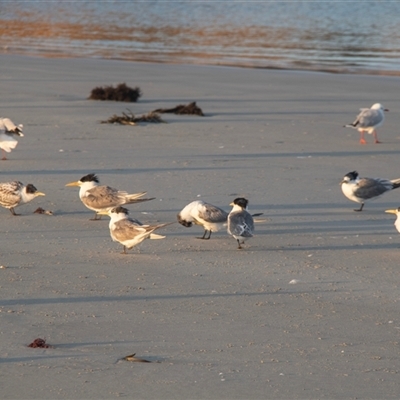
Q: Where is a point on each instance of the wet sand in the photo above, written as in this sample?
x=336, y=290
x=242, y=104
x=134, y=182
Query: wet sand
x=309, y=309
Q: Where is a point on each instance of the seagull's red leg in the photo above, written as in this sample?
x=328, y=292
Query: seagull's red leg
x=362, y=140
x=376, y=137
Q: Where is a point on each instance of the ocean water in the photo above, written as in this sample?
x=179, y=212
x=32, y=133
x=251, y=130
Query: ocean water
x=340, y=36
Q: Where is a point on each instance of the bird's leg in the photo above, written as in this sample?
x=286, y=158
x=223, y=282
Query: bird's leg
x=124, y=252
x=362, y=139
x=376, y=136
x=204, y=235
x=97, y=217
x=13, y=212
x=239, y=246
x=4, y=155
x=360, y=209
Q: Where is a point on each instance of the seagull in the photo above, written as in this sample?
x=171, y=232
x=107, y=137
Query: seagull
x=240, y=221
x=129, y=231
x=14, y=194
x=8, y=131
x=103, y=198
x=368, y=120
x=362, y=189
x=397, y=213
x=210, y=217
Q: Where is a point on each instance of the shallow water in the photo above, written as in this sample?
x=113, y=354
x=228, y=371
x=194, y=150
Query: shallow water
x=346, y=36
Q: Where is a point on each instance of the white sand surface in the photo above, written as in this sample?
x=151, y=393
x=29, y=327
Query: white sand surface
x=219, y=323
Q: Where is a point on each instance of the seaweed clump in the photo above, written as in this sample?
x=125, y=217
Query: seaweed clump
x=121, y=92
x=39, y=343
x=188, y=109
x=130, y=119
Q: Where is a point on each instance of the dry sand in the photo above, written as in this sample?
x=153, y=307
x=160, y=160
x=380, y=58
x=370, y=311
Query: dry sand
x=221, y=323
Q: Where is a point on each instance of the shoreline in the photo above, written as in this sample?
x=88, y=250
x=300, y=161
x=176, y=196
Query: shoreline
x=181, y=61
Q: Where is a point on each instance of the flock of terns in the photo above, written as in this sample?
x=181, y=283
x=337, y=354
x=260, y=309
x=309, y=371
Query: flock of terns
x=105, y=200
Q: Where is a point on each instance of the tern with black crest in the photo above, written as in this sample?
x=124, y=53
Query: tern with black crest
x=198, y=212
x=240, y=221
x=361, y=190
x=14, y=194
x=103, y=198
x=129, y=231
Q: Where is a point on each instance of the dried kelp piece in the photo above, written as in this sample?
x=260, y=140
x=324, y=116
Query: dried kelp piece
x=39, y=343
x=130, y=119
x=40, y=210
x=120, y=93
x=188, y=109
x=132, y=358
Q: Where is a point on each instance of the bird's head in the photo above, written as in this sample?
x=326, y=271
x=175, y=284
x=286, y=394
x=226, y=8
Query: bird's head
x=91, y=178
x=241, y=202
x=350, y=177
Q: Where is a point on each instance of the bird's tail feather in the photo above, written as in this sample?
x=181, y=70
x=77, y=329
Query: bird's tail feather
x=155, y=236
x=135, y=198
x=396, y=183
x=350, y=126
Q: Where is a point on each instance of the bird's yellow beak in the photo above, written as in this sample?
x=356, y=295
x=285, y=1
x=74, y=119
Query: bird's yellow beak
x=77, y=183
x=231, y=204
x=391, y=211
x=39, y=194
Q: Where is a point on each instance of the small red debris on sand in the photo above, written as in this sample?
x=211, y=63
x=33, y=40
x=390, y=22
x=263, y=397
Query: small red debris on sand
x=41, y=343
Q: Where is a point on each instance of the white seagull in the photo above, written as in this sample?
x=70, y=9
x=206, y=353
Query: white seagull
x=210, y=217
x=103, y=198
x=129, y=231
x=368, y=120
x=14, y=194
x=397, y=213
x=8, y=131
x=240, y=221
x=362, y=189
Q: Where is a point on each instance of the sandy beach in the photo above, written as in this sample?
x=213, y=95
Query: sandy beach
x=308, y=310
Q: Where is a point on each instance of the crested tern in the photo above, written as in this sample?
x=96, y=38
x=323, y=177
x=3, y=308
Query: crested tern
x=368, y=120
x=8, y=131
x=14, y=194
x=361, y=190
x=103, y=198
x=210, y=217
x=240, y=221
x=396, y=212
x=129, y=231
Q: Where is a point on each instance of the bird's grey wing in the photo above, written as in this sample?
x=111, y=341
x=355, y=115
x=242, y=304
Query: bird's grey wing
x=10, y=193
x=102, y=197
x=368, y=188
x=369, y=118
x=241, y=224
x=213, y=214
x=127, y=229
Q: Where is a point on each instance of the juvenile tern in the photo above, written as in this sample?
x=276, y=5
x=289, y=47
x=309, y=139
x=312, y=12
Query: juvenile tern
x=129, y=231
x=210, y=217
x=14, y=194
x=368, y=120
x=8, y=131
x=103, y=198
x=396, y=211
x=361, y=190
x=240, y=221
